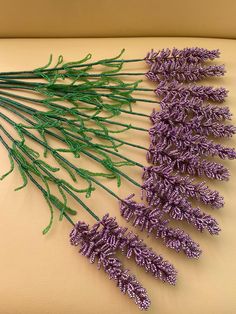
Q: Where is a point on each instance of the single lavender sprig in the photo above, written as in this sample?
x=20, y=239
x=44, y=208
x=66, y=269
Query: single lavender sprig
x=184, y=139
x=191, y=55
x=93, y=246
x=163, y=175
x=185, y=162
x=133, y=247
x=177, y=206
x=196, y=107
x=197, y=125
x=152, y=221
x=174, y=90
x=182, y=71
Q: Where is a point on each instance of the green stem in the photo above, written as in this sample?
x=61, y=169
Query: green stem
x=11, y=86
x=126, y=88
x=30, y=110
x=12, y=81
x=28, y=85
x=31, y=178
x=35, y=76
x=55, y=153
x=131, y=99
x=89, y=155
x=100, y=162
x=105, y=150
x=97, y=146
x=73, y=66
x=87, y=102
x=129, y=126
x=51, y=175
x=45, y=193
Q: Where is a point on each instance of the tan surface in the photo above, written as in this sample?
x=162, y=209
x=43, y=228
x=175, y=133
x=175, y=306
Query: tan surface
x=44, y=274
x=107, y=18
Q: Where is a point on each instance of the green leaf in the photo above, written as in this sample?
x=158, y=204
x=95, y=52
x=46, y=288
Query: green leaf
x=57, y=203
x=51, y=215
x=11, y=169
x=24, y=178
x=45, y=66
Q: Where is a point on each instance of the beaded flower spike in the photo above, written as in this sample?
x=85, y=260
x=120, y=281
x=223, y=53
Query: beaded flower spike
x=77, y=105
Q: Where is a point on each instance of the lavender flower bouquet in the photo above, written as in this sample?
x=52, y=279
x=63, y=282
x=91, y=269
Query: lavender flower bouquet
x=76, y=104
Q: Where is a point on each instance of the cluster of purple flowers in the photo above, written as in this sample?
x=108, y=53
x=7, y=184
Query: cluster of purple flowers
x=103, y=240
x=183, y=65
x=180, y=147
x=179, y=137
x=152, y=221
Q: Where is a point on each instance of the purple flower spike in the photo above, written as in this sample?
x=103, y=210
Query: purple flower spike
x=185, y=162
x=181, y=71
x=191, y=55
x=132, y=246
x=176, y=205
x=179, y=240
x=147, y=258
x=196, y=54
x=94, y=246
x=184, y=139
x=152, y=221
x=197, y=125
x=196, y=107
x=164, y=176
x=175, y=90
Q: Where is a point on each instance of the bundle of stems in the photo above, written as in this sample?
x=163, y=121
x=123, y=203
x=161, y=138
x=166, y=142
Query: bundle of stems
x=77, y=104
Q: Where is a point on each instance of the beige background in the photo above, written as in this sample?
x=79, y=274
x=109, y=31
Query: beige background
x=109, y=18
x=44, y=274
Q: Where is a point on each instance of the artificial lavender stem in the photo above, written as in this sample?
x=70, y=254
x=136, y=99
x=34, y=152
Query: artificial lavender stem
x=129, y=126
x=26, y=85
x=32, y=179
x=51, y=175
x=86, y=153
x=81, y=75
x=80, y=139
x=131, y=99
x=127, y=88
x=99, y=160
x=114, y=169
x=110, y=87
x=106, y=150
x=73, y=66
x=9, y=86
x=44, y=192
x=58, y=155
x=54, y=104
x=31, y=110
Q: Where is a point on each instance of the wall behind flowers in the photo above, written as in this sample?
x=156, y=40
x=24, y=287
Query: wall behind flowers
x=104, y=18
